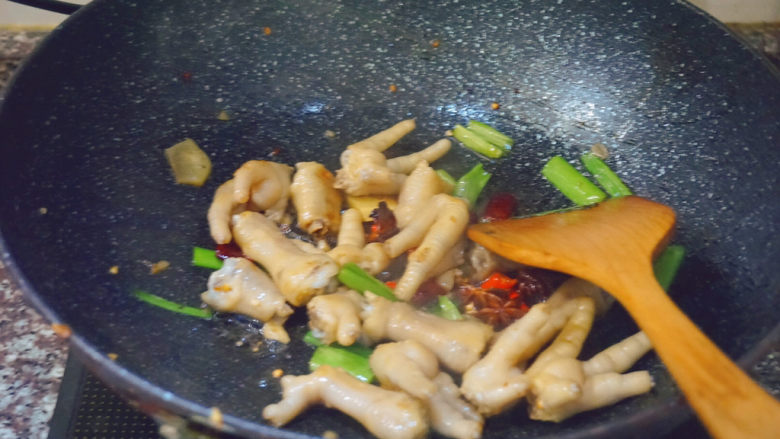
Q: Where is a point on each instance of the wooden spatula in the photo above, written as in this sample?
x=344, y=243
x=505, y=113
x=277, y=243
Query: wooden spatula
x=613, y=245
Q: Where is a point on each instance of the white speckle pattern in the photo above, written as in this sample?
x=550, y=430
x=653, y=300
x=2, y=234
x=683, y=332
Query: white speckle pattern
x=671, y=95
x=32, y=361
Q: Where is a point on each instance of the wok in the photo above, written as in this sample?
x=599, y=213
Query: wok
x=689, y=114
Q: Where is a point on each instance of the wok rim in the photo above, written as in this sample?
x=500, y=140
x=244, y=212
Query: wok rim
x=158, y=402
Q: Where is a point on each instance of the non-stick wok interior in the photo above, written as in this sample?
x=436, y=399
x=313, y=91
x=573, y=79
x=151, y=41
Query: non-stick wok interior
x=688, y=113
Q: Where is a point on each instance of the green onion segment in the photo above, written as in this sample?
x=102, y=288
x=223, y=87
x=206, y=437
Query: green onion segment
x=357, y=279
x=571, y=183
x=353, y=359
x=352, y=363
x=605, y=176
x=667, y=264
x=444, y=175
x=471, y=184
x=203, y=257
x=490, y=134
x=172, y=306
x=474, y=142
x=446, y=308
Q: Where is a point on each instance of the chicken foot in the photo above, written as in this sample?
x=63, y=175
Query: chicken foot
x=300, y=274
x=497, y=381
x=456, y=343
x=385, y=413
x=410, y=367
x=243, y=288
x=336, y=317
x=434, y=231
x=317, y=203
x=352, y=245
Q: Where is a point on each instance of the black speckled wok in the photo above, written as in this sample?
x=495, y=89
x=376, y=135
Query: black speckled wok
x=690, y=115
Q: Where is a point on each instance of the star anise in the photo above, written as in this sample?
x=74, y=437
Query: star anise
x=500, y=307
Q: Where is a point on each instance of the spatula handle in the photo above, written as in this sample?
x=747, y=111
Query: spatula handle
x=728, y=402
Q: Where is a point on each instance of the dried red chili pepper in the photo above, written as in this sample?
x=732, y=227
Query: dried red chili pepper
x=500, y=206
x=383, y=224
x=231, y=250
x=427, y=293
x=499, y=281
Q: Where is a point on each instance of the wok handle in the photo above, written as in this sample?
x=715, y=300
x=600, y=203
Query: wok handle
x=51, y=5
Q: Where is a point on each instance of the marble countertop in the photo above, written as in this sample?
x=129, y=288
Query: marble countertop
x=32, y=356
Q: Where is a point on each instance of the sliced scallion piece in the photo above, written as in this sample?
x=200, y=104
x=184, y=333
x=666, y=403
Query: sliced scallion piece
x=357, y=279
x=667, y=264
x=203, y=257
x=364, y=351
x=476, y=143
x=310, y=339
x=605, y=176
x=355, y=364
x=444, y=175
x=172, y=306
x=571, y=183
x=490, y=134
x=471, y=184
x=447, y=309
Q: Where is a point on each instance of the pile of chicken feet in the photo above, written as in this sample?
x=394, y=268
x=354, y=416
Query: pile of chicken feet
x=416, y=353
